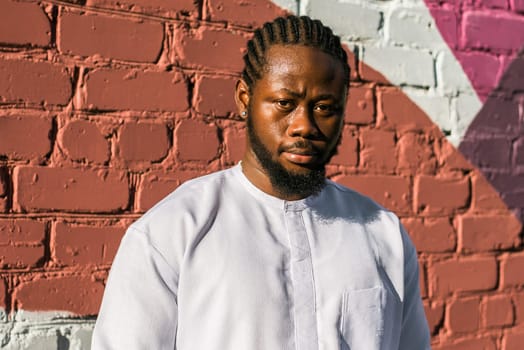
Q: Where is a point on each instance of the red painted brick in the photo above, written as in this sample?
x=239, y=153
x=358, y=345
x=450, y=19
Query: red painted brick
x=377, y=151
x=369, y=74
x=214, y=96
x=143, y=141
x=483, y=196
x=21, y=256
x=84, y=190
x=397, y=111
x=235, y=141
x=422, y=280
x=347, y=151
x=518, y=302
x=23, y=23
x=440, y=195
x=158, y=184
x=434, y=314
x=498, y=311
x=511, y=271
x=514, y=340
x=463, y=315
x=360, y=107
x=165, y=8
x=353, y=64
x=509, y=33
x=82, y=244
x=21, y=231
x=4, y=204
x=136, y=90
x=35, y=82
x=415, y=154
x=111, y=37
x=196, y=140
x=431, y=234
x=4, y=180
x=483, y=233
x=25, y=137
x=467, y=274
x=77, y=294
x=82, y=140
x=3, y=294
x=517, y=5
x=211, y=49
x=391, y=191
x=485, y=342
x=244, y=12
x=449, y=158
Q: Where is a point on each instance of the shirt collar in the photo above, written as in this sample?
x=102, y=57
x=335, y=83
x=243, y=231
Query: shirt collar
x=270, y=200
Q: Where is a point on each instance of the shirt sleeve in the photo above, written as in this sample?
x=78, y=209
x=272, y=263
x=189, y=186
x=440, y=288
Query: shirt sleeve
x=139, y=307
x=415, y=331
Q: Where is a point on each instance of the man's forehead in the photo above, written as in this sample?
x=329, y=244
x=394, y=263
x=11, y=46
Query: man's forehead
x=294, y=60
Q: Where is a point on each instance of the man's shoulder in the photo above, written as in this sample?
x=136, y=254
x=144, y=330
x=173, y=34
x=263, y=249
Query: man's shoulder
x=194, y=194
x=350, y=197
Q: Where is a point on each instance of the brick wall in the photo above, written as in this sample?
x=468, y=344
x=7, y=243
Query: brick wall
x=106, y=106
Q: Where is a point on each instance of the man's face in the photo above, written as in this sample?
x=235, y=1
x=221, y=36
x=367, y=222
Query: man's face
x=295, y=116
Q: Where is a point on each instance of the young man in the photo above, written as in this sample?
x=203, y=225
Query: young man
x=269, y=254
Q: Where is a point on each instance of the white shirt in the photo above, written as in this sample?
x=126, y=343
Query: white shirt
x=219, y=264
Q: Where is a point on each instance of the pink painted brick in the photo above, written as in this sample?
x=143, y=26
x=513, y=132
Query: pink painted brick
x=517, y=5
x=447, y=23
x=481, y=68
x=493, y=30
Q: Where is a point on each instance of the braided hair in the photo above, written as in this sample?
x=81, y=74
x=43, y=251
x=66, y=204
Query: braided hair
x=290, y=30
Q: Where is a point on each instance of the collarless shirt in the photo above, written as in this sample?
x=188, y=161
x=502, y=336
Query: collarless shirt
x=219, y=264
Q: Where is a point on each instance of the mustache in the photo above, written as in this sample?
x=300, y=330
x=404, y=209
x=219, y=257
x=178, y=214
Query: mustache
x=301, y=147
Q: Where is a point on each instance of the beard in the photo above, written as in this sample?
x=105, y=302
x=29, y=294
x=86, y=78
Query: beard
x=285, y=182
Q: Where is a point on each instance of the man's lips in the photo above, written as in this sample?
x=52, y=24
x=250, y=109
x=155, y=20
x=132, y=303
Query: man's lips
x=300, y=156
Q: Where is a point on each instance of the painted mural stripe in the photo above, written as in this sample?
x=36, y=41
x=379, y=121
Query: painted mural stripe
x=407, y=48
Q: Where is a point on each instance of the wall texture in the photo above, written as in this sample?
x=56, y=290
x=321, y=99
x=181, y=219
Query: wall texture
x=106, y=106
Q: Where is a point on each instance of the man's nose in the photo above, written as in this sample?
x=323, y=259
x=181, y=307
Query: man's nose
x=302, y=124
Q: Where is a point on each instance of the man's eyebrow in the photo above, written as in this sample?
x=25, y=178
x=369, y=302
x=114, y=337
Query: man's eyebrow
x=326, y=97
x=291, y=92
x=298, y=94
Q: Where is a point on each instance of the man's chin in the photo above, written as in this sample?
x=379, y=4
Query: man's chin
x=296, y=180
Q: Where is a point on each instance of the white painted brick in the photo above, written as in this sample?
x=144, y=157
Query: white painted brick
x=349, y=21
x=401, y=66
x=466, y=107
x=290, y=5
x=450, y=75
x=81, y=339
x=33, y=340
x=436, y=107
x=45, y=331
x=414, y=27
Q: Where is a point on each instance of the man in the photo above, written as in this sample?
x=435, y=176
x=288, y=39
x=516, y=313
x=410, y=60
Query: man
x=269, y=254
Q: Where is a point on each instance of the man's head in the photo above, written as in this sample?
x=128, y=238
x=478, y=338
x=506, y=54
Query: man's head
x=293, y=92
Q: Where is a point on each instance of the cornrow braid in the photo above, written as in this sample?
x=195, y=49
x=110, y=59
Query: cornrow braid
x=290, y=30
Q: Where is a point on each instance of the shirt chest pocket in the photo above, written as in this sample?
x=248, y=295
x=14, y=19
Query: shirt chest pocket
x=370, y=319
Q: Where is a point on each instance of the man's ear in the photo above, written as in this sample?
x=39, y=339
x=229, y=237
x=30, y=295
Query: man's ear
x=242, y=98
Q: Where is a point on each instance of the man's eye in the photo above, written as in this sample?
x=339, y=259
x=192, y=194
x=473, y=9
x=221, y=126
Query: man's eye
x=324, y=108
x=285, y=104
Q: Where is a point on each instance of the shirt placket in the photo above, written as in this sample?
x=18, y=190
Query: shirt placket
x=306, y=337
